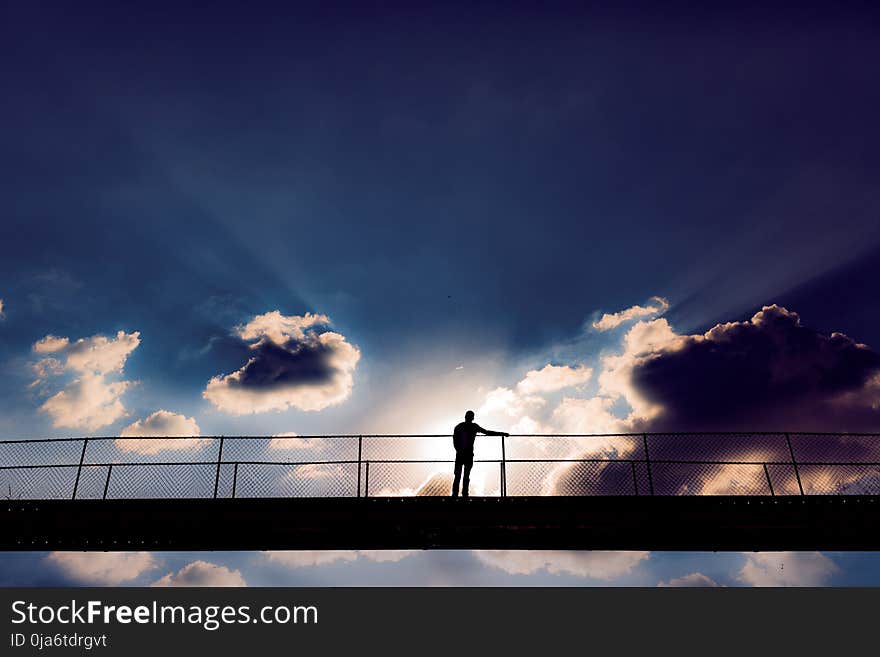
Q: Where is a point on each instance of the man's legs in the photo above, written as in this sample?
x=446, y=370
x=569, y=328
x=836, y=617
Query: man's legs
x=455, y=482
x=468, y=464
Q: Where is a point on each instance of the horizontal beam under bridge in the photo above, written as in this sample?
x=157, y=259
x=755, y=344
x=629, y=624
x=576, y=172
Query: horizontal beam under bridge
x=570, y=523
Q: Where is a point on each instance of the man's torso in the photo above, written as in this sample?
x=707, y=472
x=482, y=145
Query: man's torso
x=464, y=436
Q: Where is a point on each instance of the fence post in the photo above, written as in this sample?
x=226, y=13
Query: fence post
x=360, y=451
x=367, y=479
x=648, y=463
x=107, y=483
x=503, y=469
x=82, y=457
x=797, y=473
x=769, y=483
x=219, y=460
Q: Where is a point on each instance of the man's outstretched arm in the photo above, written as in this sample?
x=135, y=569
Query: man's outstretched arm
x=489, y=432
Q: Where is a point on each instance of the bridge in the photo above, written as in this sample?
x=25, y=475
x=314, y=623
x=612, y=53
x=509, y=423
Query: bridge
x=657, y=491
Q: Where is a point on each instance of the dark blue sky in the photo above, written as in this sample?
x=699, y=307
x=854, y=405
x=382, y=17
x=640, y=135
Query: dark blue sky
x=462, y=190
x=532, y=167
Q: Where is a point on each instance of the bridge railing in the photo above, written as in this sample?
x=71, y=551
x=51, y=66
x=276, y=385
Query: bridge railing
x=755, y=463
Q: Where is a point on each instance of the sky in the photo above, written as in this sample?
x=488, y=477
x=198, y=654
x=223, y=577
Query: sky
x=247, y=220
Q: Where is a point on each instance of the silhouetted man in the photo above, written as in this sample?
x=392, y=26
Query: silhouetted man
x=463, y=438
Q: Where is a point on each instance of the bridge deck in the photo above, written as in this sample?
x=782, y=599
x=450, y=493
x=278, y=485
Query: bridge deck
x=584, y=523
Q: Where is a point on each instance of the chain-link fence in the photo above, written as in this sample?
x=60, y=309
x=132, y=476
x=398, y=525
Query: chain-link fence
x=402, y=466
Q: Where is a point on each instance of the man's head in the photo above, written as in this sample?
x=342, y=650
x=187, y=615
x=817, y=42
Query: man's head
x=469, y=416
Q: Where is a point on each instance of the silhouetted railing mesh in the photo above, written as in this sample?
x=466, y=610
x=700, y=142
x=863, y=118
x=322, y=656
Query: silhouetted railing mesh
x=401, y=466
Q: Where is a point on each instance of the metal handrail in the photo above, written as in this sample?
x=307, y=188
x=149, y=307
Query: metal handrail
x=364, y=464
x=639, y=434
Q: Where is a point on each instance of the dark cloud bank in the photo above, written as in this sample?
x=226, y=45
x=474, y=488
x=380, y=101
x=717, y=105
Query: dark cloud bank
x=769, y=373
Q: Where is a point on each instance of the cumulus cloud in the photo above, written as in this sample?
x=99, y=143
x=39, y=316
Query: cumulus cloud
x=98, y=354
x=437, y=484
x=161, y=424
x=293, y=364
x=202, y=573
x=527, y=425
x=515, y=407
x=693, y=580
x=51, y=344
x=593, y=565
x=766, y=373
x=586, y=415
x=102, y=568
x=553, y=377
x=2, y=315
x=787, y=569
x=527, y=409
x=769, y=372
x=288, y=440
x=312, y=558
x=386, y=556
x=725, y=479
x=507, y=403
x=656, y=306
x=44, y=368
x=90, y=400
x=318, y=471
x=279, y=329
x=615, y=379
